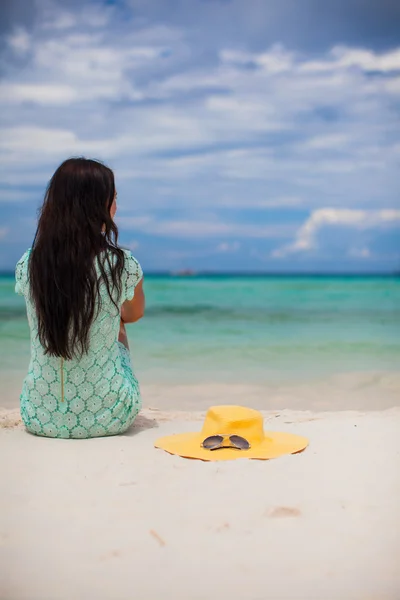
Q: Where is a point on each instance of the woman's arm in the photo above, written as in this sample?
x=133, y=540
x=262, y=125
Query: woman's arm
x=133, y=310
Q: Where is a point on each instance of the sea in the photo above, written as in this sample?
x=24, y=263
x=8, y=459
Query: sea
x=233, y=329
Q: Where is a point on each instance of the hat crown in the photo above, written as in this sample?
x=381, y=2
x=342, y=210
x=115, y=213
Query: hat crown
x=234, y=420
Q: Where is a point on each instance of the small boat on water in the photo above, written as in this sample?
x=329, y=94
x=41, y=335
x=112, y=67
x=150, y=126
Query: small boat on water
x=184, y=273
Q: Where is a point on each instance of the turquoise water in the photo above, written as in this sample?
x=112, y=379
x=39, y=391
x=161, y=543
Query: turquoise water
x=241, y=329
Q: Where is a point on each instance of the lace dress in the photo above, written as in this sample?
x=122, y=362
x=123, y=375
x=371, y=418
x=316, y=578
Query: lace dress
x=95, y=395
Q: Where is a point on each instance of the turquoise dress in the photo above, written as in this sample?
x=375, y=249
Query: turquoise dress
x=92, y=396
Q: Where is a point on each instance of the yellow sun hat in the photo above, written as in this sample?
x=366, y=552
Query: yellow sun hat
x=231, y=432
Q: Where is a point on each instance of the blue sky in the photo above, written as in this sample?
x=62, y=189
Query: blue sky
x=244, y=135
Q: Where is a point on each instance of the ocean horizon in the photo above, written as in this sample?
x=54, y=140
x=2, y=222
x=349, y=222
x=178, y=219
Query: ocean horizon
x=189, y=273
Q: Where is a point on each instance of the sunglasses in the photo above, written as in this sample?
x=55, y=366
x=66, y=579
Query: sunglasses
x=215, y=442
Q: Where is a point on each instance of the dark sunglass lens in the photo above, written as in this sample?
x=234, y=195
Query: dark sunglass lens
x=212, y=442
x=239, y=442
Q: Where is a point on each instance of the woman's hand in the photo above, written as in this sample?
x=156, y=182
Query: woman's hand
x=122, y=337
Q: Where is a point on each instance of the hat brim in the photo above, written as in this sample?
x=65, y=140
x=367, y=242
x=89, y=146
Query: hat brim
x=188, y=445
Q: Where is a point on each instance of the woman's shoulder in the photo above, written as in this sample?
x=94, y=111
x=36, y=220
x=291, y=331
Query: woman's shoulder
x=21, y=272
x=132, y=271
x=132, y=264
x=24, y=258
x=129, y=260
x=129, y=256
x=133, y=274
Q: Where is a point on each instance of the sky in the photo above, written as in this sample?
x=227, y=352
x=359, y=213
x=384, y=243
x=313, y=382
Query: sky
x=245, y=135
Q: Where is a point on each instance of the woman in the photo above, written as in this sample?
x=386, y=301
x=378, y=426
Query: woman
x=80, y=289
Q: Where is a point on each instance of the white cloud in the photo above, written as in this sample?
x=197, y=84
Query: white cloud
x=132, y=245
x=20, y=41
x=17, y=143
x=326, y=142
x=59, y=21
x=367, y=59
x=75, y=66
x=341, y=57
x=46, y=94
x=88, y=16
x=22, y=143
x=202, y=228
x=277, y=60
x=393, y=85
x=363, y=252
x=306, y=237
x=228, y=247
x=3, y=232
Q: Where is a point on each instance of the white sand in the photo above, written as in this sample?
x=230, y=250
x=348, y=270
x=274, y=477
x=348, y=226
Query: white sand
x=116, y=519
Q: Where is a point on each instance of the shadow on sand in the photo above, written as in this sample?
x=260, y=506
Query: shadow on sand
x=140, y=424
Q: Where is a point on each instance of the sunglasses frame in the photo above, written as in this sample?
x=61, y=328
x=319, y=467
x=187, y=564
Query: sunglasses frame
x=221, y=442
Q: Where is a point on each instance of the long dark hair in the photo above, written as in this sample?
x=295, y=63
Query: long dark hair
x=75, y=228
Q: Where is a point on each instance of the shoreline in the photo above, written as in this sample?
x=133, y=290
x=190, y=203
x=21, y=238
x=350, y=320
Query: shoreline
x=358, y=390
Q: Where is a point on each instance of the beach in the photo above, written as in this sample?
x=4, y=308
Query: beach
x=115, y=518
x=199, y=208
x=345, y=391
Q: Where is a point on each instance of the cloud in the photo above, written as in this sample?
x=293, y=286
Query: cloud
x=220, y=23
x=67, y=64
x=306, y=238
x=57, y=19
x=63, y=20
x=360, y=252
x=132, y=245
x=366, y=60
x=20, y=41
x=198, y=108
x=338, y=58
x=16, y=143
x=202, y=228
x=43, y=94
x=214, y=131
x=327, y=142
x=228, y=247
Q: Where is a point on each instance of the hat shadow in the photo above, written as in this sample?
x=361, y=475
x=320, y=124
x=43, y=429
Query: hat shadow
x=141, y=423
